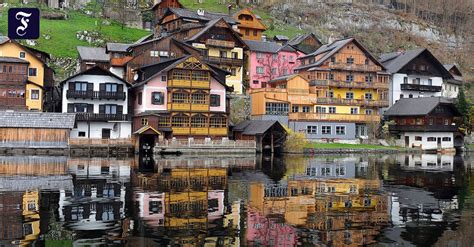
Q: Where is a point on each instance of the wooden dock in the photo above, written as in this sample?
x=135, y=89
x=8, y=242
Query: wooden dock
x=206, y=147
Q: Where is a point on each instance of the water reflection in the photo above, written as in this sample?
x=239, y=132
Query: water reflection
x=258, y=201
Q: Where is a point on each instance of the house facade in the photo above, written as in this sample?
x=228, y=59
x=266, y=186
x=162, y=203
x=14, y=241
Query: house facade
x=250, y=25
x=40, y=76
x=426, y=123
x=451, y=87
x=348, y=85
x=181, y=98
x=415, y=73
x=13, y=78
x=269, y=60
x=305, y=43
x=100, y=100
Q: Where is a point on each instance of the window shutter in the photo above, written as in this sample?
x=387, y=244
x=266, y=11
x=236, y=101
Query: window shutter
x=102, y=87
x=120, y=88
x=90, y=87
x=90, y=108
x=119, y=109
x=72, y=86
x=70, y=108
x=101, y=108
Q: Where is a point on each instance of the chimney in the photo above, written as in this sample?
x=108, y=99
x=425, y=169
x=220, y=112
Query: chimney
x=229, y=8
x=264, y=38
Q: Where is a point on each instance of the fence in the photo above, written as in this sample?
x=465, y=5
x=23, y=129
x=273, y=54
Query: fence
x=100, y=142
x=206, y=143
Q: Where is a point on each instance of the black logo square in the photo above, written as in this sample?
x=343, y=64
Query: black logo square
x=23, y=23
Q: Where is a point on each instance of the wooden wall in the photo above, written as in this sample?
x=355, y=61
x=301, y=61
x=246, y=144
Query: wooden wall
x=28, y=137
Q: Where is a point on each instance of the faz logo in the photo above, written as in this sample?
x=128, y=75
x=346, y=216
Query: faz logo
x=23, y=23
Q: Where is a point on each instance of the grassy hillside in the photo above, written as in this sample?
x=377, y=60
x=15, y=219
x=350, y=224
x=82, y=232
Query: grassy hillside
x=63, y=41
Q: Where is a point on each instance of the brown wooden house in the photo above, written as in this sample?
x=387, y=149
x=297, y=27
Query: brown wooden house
x=305, y=43
x=269, y=135
x=250, y=25
x=160, y=8
x=13, y=79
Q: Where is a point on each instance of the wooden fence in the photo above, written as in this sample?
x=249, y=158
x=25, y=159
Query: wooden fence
x=101, y=142
x=182, y=143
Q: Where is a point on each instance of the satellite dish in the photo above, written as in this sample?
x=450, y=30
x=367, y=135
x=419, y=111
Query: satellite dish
x=135, y=77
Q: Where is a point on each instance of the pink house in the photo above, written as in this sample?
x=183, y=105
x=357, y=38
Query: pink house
x=269, y=60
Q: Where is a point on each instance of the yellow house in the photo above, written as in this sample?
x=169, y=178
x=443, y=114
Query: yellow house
x=250, y=25
x=37, y=70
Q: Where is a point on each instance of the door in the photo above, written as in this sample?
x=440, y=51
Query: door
x=439, y=142
x=407, y=141
x=105, y=133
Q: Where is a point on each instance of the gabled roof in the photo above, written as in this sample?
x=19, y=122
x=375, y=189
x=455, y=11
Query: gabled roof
x=212, y=23
x=30, y=119
x=192, y=14
x=449, y=67
x=286, y=78
x=300, y=38
x=13, y=60
x=143, y=39
x=418, y=106
x=396, y=61
x=267, y=47
x=3, y=39
x=96, y=70
x=31, y=51
x=256, y=23
x=256, y=127
x=147, y=129
x=116, y=47
x=136, y=44
x=330, y=49
x=158, y=2
x=97, y=54
x=280, y=38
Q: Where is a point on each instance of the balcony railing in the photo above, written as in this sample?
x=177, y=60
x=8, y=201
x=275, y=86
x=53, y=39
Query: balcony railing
x=358, y=102
x=418, y=87
x=354, y=67
x=6, y=77
x=224, y=60
x=220, y=43
x=306, y=116
x=12, y=103
x=423, y=128
x=102, y=117
x=334, y=83
x=95, y=95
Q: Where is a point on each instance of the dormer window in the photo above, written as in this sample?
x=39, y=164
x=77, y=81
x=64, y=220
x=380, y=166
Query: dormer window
x=22, y=54
x=333, y=59
x=350, y=60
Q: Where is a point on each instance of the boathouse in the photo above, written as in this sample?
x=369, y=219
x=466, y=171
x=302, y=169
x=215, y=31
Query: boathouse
x=268, y=134
x=35, y=129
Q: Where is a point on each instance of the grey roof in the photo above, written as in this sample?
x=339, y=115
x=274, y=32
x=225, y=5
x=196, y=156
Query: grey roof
x=93, y=54
x=117, y=47
x=416, y=106
x=395, y=61
x=3, y=39
x=12, y=60
x=267, y=47
x=43, y=120
x=449, y=66
x=283, y=78
x=192, y=14
x=281, y=37
x=298, y=39
x=144, y=38
x=255, y=127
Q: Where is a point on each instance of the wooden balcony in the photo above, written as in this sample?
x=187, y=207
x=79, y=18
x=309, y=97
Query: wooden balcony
x=353, y=102
x=179, y=106
x=354, y=67
x=200, y=107
x=224, y=60
x=311, y=116
x=18, y=79
x=189, y=84
x=220, y=43
x=95, y=95
x=418, y=87
x=423, y=128
x=15, y=103
x=334, y=83
x=102, y=117
x=218, y=131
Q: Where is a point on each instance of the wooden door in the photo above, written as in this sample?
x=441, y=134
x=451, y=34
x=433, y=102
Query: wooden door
x=105, y=133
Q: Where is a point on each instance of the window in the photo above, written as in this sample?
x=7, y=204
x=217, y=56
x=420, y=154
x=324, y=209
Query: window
x=368, y=96
x=255, y=81
x=260, y=70
x=164, y=54
x=430, y=82
x=292, y=59
x=81, y=134
x=215, y=100
x=330, y=94
x=163, y=78
x=199, y=121
x=405, y=80
x=311, y=129
x=179, y=74
x=284, y=58
x=446, y=139
x=180, y=98
x=233, y=71
x=306, y=108
x=333, y=59
x=157, y=98
x=222, y=53
x=154, y=53
x=274, y=56
x=418, y=138
x=259, y=55
x=340, y=130
x=235, y=55
x=401, y=96
x=416, y=81
x=110, y=87
x=326, y=130
x=320, y=109
x=80, y=107
x=354, y=110
x=349, y=78
x=366, y=61
x=139, y=98
x=276, y=108
x=32, y=72
x=274, y=71
x=349, y=95
x=431, y=139
x=35, y=94
x=180, y=121
x=144, y=121
x=410, y=96
x=431, y=121
x=368, y=78
x=198, y=98
x=198, y=75
x=80, y=86
x=285, y=71
x=255, y=33
x=247, y=32
x=331, y=76
x=22, y=54
x=350, y=60
x=332, y=109
x=110, y=109
x=446, y=122
x=295, y=108
x=217, y=122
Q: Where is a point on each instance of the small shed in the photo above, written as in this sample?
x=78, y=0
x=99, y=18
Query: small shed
x=268, y=134
x=35, y=129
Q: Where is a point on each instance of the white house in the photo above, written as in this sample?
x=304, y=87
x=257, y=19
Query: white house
x=451, y=87
x=100, y=99
x=425, y=123
x=415, y=73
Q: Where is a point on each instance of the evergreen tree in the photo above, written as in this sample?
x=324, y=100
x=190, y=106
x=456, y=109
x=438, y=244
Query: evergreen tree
x=463, y=107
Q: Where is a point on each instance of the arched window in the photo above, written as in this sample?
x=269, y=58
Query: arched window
x=401, y=96
x=410, y=96
x=199, y=121
x=217, y=121
x=180, y=120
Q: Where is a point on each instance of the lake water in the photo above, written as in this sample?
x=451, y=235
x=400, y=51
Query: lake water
x=420, y=200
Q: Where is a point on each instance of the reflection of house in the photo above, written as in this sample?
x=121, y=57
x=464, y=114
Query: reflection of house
x=426, y=161
x=426, y=123
x=263, y=230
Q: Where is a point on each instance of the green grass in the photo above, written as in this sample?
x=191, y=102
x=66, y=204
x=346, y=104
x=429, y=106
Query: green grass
x=63, y=40
x=208, y=5
x=348, y=146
